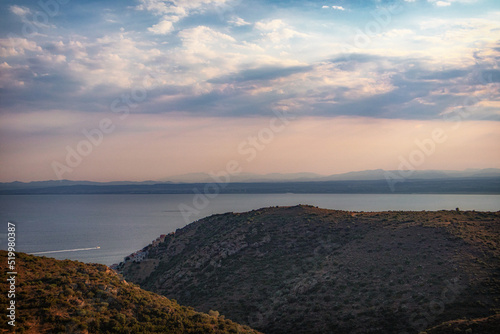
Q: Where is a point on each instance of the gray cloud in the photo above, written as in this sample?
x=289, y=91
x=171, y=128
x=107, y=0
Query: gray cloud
x=444, y=75
x=59, y=89
x=356, y=57
x=261, y=74
x=491, y=76
x=410, y=89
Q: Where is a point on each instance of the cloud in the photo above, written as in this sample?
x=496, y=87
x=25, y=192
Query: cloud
x=276, y=63
x=84, y=73
x=334, y=7
x=9, y=76
x=260, y=74
x=238, y=21
x=36, y=19
x=270, y=25
x=162, y=28
x=277, y=31
x=491, y=75
x=175, y=10
x=20, y=11
x=367, y=84
x=444, y=75
x=204, y=34
x=201, y=43
x=447, y=3
x=356, y=57
x=16, y=46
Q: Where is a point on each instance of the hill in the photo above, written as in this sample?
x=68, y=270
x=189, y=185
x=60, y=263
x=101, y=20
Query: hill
x=308, y=270
x=55, y=296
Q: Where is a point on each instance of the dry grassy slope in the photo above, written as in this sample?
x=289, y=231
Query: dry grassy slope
x=55, y=296
x=308, y=270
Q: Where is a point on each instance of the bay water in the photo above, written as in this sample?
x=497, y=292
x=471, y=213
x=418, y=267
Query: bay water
x=73, y=226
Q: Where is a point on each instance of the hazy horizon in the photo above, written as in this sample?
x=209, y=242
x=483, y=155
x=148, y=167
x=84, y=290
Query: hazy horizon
x=141, y=90
x=237, y=177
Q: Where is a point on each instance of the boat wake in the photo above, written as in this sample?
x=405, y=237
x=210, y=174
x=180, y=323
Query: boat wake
x=66, y=250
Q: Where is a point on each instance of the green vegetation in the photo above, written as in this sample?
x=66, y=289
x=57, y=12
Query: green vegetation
x=55, y=296
x=308, y=270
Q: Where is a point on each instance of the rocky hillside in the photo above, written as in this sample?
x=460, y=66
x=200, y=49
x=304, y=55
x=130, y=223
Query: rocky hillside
x=53, y=296
x=308, y=270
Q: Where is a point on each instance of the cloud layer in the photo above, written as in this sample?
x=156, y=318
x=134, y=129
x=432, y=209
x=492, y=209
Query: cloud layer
x=226, y=59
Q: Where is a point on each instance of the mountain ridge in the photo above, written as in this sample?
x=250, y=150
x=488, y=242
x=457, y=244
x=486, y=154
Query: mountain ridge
x=308, y=270
x=485, y=181
x=374, y=174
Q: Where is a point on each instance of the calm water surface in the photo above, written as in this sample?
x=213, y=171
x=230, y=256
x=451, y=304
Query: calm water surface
x=122, y=224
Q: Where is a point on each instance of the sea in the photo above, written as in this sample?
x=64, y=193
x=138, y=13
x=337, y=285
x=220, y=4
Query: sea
x=106, y=228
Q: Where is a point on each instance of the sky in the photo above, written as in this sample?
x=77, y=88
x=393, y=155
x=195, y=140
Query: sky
x=147, y=89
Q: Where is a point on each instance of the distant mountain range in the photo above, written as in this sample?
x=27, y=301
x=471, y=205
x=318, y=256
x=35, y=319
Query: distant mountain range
x=375, y=174
x=470, y=181
x=55, y=183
